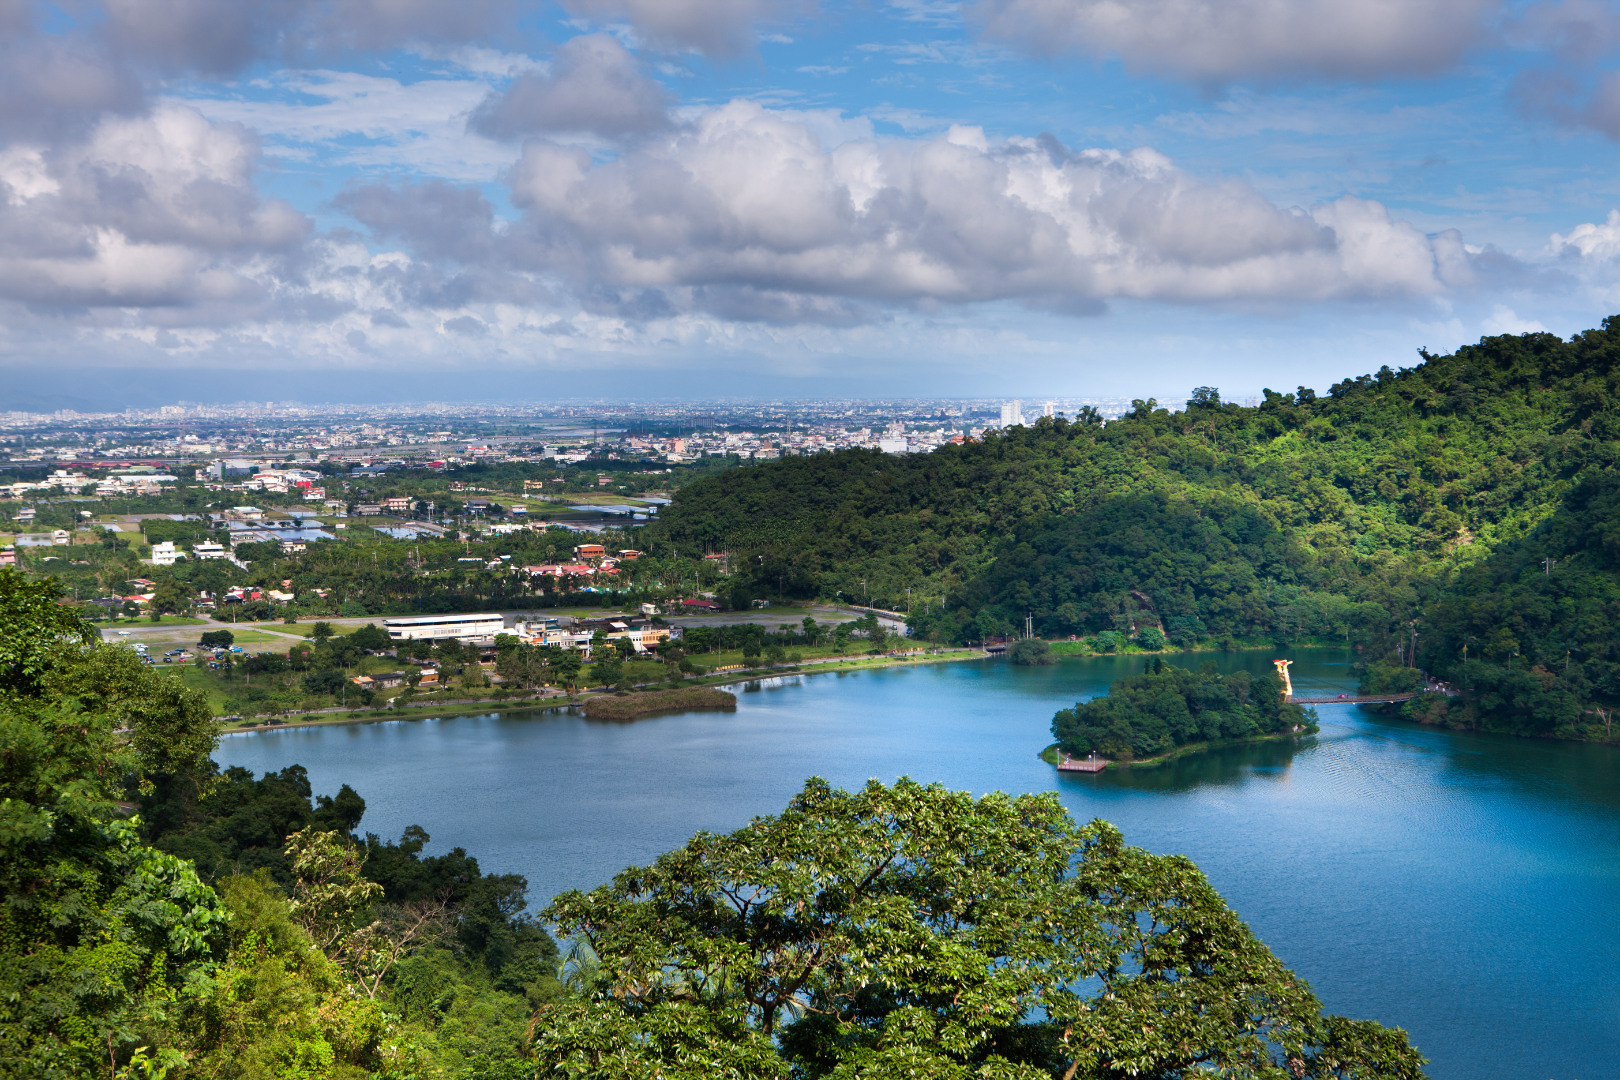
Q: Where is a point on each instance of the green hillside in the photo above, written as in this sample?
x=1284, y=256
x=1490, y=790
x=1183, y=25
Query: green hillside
x=1363, y=514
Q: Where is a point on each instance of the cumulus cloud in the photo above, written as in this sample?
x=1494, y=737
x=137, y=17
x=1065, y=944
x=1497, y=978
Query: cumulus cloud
x=595, y=85
x=1588, y=242
x=56, y=86
x=747, y=199
x=1210, y=42
x=716, y=27
x=151, y=210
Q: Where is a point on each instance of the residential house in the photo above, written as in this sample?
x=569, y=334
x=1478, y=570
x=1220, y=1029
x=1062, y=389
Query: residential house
x=585, y=552
x=166, y=553
x=389, y=679
x=368, y=509
x=8, y=556
x=208, y=549
x=397, y=504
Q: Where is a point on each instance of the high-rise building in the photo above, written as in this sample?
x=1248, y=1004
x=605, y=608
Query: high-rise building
x=1048, y=409
x=1012, y=414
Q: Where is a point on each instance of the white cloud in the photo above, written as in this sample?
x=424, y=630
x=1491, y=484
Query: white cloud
x=155, y=210
x=745, y=200
x=1595, y=243
x=1502, y=320
x=1233, y=40
x=595, y=86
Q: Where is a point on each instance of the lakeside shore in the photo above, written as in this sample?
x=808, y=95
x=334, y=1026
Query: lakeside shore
x=563, y=700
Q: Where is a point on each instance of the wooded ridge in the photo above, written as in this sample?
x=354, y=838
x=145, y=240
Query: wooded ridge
x=1461, y=516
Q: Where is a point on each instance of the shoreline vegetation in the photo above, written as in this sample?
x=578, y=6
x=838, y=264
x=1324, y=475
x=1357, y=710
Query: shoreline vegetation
x=1054, y=753
x=560, y=700
x=636, y=706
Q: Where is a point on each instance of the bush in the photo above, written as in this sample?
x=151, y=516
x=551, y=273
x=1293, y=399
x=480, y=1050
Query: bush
x=1030, y=652
x=217, y=639
x=1151, y=638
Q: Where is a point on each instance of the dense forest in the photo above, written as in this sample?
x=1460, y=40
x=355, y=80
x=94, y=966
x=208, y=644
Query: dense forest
x=164, y=921
x=1169, y=706
x=1399, y=511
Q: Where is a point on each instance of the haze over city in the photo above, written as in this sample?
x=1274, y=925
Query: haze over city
x=379, y=201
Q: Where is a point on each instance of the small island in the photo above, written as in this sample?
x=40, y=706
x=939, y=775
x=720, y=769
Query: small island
x=653, y=702
x=1168, y=710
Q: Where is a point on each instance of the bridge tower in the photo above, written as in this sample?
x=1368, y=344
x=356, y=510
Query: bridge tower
x=1282, y=673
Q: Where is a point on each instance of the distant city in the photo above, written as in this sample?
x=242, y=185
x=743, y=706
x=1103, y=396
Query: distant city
x=434, y=432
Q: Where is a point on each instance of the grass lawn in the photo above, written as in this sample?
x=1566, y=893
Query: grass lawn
x=255, y=637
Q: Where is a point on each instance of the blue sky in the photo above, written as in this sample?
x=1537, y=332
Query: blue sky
x=342, y=199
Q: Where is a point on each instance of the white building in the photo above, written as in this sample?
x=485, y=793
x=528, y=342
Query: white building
x=208, y=549
x=1012, y=414
x=166, y=553
x=431, y=627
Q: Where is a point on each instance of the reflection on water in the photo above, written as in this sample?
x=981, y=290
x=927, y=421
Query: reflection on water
x=1458, y=885
x=1224, y=765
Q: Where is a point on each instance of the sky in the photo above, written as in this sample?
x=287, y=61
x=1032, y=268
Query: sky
x=355, y=200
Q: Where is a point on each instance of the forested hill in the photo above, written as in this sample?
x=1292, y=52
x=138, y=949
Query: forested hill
x=1346, y=515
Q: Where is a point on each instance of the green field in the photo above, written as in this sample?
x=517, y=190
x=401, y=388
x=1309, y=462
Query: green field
x=255, y=637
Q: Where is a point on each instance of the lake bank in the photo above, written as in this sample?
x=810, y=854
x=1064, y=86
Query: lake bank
x=454, y=707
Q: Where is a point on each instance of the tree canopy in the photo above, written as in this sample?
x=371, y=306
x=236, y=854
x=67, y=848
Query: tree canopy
x=914, y=931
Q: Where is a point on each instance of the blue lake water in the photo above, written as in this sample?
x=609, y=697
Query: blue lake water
x=1460, y=886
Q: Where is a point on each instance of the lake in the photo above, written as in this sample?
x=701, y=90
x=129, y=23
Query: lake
x=1459, y=886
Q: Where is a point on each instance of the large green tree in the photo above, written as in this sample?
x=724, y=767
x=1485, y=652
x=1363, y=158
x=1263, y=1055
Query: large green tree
x=911, y=931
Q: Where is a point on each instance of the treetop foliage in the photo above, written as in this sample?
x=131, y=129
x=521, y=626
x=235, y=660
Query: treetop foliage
x=913, y=931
